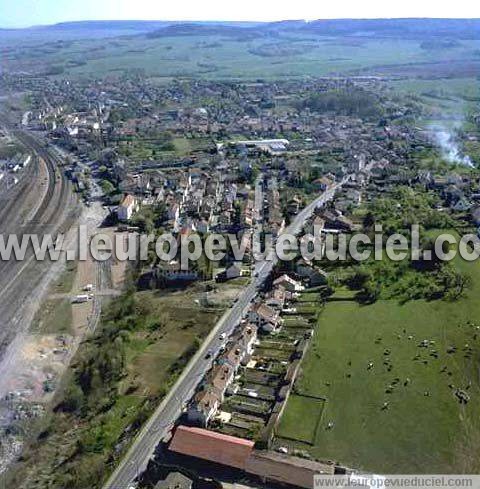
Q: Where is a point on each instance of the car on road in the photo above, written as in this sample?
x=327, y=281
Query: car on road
x=209, y=354
x=222, y=336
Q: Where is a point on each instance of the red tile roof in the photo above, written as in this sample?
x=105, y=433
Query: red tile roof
x=212, y=446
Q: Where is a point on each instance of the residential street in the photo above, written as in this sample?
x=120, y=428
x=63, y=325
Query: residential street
x=162, y=421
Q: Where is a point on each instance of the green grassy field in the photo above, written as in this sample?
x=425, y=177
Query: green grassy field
x=311, y=410
x=219, y=57
x=227, y=58
x=152, y=356
x=446, y=88
x=423, y=428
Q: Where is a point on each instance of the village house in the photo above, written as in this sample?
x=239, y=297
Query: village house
x=219, y=378
x=264, y=317
x=174, y=480
x=337, y=221
x=314, y=275
x=204, y=406
x=173, y=212
x=136, y=184
x=233, y=357
x=247, y=339
x=288, y=283
x=127, y=208
x=315, y=226
x=276, y=298
x=247, y=215
x=242, y=346
x=206, y=402
x=293, y=205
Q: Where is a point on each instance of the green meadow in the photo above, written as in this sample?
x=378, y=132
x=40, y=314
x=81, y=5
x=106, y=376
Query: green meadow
x=392, y=375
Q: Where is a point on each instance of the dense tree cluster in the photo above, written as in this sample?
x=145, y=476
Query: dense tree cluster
x=351, y=101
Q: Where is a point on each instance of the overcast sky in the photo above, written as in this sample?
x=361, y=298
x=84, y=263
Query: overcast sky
x=21, y=13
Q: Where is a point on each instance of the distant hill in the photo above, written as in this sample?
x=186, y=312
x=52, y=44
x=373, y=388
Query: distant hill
x=112, y=28
x=423, y=30
x=402, y=28
x=118, y=25
x=383, y=28
x=210, y=29
x=405, y=28
x=79, y=30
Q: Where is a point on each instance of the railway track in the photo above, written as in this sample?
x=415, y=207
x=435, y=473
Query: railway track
x=10, y=198
x=51, y=164
x=47, y=216
x=22, y=215
x=56, y=183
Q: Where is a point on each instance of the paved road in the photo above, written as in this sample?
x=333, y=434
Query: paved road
x=164, y=417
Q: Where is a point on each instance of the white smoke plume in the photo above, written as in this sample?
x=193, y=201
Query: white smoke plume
x=448, y=144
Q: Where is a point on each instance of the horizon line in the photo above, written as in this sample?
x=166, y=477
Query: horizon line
x=239, y=21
